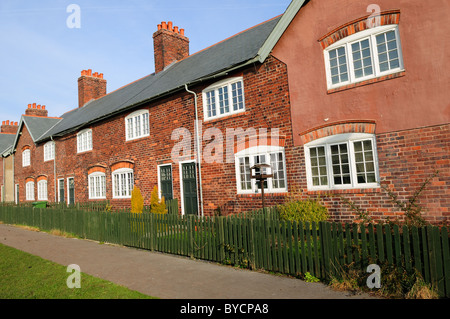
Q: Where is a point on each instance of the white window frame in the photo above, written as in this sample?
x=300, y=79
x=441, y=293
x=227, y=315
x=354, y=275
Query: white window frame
x=359, y=36
x=29, y=191
x=215, y=89
x=42, y=190
x=26, y=158
x=84, y=141
x=49, y=151
x=140, y=125
x=257, y=151
x=349, y=139
x=97, y=185
x=120, y=172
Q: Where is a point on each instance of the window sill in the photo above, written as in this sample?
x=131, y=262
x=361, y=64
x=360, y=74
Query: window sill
x=375, y=189
x=366, y=82
x=225, y=117
x=136, y=138
x=83, y=152
x=281, y=193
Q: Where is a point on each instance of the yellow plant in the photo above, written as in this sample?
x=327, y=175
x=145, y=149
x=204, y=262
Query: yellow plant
x=157, y=206
x=137, y=201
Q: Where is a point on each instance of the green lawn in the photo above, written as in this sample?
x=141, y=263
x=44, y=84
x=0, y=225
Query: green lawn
x=25, y=276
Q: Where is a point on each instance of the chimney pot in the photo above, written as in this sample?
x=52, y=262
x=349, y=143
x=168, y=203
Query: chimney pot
x=95, y=74
x=39, y=107
x=43, y=107
x=34, y=105
x=100, y=75
x=3, y=123
x=89, y=72
x=182, y=31
x=169, y=26
x=7, y=122
x=159, y=27
x=29, y=106
x=163, y=25
x=175, y=29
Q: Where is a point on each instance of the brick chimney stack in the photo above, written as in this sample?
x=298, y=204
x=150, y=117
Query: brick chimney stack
x=170, y=45
x=91, y=86
x=36, y=110
x=9, y=127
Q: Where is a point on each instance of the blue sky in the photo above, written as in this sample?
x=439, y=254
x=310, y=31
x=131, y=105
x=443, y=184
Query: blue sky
x=41, y=58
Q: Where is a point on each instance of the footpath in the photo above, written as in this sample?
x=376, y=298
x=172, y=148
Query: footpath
x=161, y=275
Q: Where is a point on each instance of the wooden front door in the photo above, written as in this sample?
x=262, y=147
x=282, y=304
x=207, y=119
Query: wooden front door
x=189, y=181
x=165, y=175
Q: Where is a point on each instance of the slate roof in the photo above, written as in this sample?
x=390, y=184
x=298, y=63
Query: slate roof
x=6, y=141
x=37, y=125
x=223, y=56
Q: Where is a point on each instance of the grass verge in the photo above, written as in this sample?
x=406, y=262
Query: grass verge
x=25, y=276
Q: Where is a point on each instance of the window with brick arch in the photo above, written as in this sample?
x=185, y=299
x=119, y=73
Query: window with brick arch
x=97, y=185
x=123, y=183
x=365, y=55
x=26, y=158
x=29, y=191
x=137, y=125
x=42, y=190
x=342, y=161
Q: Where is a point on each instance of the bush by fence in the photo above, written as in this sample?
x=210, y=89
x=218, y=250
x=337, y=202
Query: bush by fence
x=257, y=240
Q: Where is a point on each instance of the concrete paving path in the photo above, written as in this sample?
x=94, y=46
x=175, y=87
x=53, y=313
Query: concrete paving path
x=161, y=275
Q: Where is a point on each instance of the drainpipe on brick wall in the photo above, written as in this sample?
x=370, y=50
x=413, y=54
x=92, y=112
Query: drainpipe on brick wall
x=54, y=169
x=199, y=160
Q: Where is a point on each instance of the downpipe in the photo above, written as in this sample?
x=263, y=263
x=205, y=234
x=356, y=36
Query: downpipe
x=199, y=164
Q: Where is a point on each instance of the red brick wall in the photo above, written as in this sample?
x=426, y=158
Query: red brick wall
x=406, y=159
x=37, y=170
x=267, y=106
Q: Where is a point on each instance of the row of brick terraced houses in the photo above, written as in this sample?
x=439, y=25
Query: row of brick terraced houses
x=334, y=95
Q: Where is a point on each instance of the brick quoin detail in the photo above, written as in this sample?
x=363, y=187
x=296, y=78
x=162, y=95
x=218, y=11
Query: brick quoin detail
x=349, y=126
x=360, y=24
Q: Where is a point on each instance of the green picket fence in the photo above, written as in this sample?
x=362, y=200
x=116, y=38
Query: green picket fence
x=257, y=241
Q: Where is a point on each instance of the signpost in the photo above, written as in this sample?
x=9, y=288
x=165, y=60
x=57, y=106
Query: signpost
x=261, y=178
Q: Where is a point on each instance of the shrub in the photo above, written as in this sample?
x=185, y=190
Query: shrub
x=137, y=201
x=157, y=206
x=303, y=211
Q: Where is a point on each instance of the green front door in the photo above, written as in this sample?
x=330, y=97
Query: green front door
x=189, y=188
x=165, y=175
